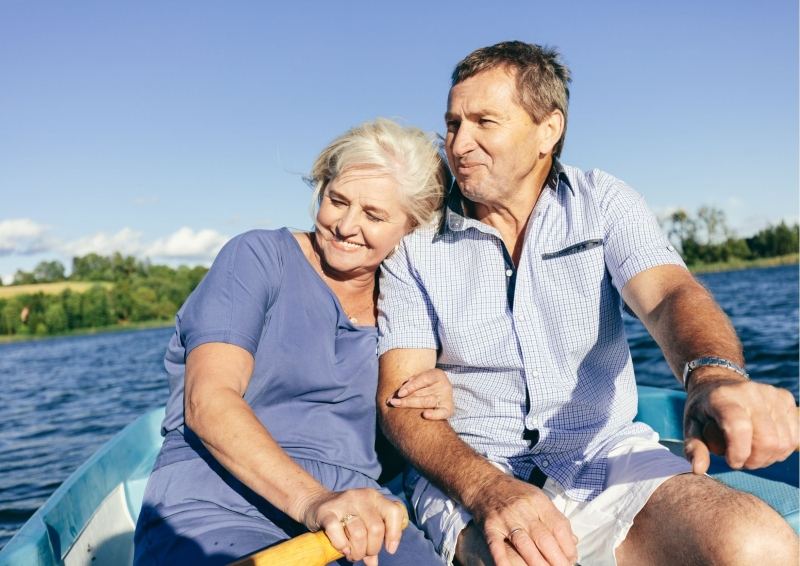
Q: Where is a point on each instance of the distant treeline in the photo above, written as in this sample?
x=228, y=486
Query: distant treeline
x=706, y=238
x=127, y=291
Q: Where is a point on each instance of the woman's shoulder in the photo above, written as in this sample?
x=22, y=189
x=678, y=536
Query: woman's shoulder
x=260, y=241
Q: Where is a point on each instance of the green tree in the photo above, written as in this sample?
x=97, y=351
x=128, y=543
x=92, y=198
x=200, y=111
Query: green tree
x=95, y=310
x=49, y=272
x=55, y=317
x=23, y=278
x=91, y=267
x=73, y=308
x=143, y=304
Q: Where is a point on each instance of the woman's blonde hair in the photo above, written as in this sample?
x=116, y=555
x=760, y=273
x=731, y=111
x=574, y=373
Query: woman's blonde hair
x=407, y=154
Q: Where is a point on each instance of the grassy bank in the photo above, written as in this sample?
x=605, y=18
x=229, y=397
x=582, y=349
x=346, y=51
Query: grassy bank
x=737, y=264
x=5, y=339
x=50, y=288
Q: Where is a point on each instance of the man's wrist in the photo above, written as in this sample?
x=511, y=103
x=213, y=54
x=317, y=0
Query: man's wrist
x=710, y=362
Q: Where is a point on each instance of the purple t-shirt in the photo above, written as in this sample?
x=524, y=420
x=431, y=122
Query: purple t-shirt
x=315, y=374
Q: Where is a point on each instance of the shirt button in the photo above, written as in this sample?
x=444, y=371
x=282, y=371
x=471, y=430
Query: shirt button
x=545, y=463
x=671, y=248
x=509, y=273
x=520, y=317
x=535, y=373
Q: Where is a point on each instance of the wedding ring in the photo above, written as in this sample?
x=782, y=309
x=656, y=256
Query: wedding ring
x=347, y=518
x=513, y=532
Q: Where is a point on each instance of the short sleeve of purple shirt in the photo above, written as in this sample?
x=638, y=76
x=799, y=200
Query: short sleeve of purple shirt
x=231, y=302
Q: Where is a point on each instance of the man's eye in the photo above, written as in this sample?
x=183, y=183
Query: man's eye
x=486, y=122
x=452, y=125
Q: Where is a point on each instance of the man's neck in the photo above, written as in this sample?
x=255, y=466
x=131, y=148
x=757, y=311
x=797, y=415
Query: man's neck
x=511, y=218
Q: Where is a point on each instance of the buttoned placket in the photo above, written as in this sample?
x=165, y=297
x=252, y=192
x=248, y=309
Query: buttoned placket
x=525, y=319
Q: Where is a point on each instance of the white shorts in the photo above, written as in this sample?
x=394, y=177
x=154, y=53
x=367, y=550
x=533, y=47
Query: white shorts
x=636, y=467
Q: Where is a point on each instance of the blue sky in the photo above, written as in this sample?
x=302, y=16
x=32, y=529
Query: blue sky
x=161, y=129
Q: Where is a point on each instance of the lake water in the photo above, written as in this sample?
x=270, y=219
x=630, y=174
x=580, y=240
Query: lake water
x=62, y=398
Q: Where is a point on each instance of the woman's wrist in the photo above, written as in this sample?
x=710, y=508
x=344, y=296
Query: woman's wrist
x=303, y=508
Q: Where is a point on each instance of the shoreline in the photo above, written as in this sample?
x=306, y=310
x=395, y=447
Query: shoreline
x=742, y=264
x=698, y=269
x=143, y=325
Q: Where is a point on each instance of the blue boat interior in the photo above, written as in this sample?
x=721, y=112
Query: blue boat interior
x=91, y=516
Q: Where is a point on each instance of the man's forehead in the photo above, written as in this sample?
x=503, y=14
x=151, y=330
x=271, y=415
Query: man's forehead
x=487, y=88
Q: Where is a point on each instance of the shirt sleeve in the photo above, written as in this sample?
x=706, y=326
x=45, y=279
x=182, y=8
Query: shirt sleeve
x=230, y=304
x=634, y=241
x=406, y=317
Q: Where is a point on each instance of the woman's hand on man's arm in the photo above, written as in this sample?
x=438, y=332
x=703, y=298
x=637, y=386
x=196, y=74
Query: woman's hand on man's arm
x=430, y=390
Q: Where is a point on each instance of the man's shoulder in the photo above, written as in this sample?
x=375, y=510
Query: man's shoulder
x=590, y=181
x=422, y=237
x=599, y=186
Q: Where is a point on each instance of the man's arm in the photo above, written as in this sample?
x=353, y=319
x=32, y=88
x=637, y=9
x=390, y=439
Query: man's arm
x=498, y=502
x=752, y=424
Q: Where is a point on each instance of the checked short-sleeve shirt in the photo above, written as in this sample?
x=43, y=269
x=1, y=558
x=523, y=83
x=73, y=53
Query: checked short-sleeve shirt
x=537, y=355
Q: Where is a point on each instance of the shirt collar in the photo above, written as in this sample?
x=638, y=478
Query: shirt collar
x=455, y=215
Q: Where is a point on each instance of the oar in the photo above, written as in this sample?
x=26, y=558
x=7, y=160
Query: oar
x=309, y=549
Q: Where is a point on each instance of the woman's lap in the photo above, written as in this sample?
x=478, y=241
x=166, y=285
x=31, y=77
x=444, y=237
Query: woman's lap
x=191, y=515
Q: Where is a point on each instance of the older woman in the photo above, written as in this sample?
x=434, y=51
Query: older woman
x=270, y=425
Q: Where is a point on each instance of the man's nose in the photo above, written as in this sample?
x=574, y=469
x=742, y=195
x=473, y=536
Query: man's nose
x=462, y=141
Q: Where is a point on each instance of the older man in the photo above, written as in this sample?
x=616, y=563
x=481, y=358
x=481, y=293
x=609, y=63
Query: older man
x=518, y=295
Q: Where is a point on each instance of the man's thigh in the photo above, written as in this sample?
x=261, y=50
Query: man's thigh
x=693, y=519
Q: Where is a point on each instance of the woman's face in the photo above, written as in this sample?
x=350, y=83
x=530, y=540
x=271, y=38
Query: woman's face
x=360, y=221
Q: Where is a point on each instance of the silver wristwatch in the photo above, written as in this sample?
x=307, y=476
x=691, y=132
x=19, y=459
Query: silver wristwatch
x=711, y=361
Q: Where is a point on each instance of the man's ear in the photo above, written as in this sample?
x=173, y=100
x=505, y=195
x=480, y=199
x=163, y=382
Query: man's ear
x=551, y=129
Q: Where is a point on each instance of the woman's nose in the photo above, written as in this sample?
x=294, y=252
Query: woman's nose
x=348, y=223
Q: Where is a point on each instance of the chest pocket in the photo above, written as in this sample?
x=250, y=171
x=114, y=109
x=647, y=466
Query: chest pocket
x=575, y=272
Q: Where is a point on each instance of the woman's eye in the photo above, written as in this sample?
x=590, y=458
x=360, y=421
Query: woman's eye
x=336, y=202
x=373, y=218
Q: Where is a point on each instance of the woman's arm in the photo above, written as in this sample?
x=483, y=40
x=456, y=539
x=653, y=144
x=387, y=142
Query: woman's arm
x=217, y=376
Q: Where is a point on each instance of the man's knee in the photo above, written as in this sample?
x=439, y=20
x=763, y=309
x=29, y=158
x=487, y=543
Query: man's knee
x=749, y=531
x=696, y=519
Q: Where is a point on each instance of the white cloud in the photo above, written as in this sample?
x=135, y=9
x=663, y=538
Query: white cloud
x=183, y=244
x=187, y=244
x=127, y=242
x=23, y=236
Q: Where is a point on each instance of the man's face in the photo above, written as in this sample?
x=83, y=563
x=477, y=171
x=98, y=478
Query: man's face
x=493, y=146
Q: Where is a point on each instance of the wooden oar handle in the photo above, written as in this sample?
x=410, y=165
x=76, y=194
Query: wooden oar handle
x=310, y=549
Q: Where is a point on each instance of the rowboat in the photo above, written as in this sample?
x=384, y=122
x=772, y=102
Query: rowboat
x=91, y=517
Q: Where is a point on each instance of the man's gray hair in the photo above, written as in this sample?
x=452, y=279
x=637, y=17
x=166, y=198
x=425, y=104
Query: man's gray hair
x=542, y=79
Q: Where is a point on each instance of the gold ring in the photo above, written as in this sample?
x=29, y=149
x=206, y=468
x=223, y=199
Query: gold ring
x=513, y=531
x=347, y=518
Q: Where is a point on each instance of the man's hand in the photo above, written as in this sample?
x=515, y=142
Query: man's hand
x=752, y=424
x=516, y=514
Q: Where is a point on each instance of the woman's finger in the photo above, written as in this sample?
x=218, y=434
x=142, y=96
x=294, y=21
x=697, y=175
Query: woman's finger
x=417, y=382
x=334, y=530
x=357, y=534
x=395, y=519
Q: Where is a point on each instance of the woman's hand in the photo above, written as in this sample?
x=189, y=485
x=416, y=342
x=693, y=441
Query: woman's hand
x=358, y=522
x=430, y=390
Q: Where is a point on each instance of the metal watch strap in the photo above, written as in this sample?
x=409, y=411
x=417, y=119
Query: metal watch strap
x=711, y=361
